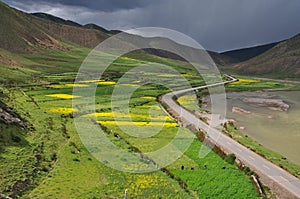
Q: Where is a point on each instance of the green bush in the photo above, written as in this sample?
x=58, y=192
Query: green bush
x=230, y=158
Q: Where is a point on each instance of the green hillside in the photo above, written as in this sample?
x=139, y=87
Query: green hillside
x=281, y=61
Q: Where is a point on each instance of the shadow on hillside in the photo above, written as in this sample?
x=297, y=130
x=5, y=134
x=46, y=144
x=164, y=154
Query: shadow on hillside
x=11, y=135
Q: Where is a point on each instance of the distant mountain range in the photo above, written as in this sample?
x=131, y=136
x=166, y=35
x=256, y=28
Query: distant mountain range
x=23, y=33
x=39, y=32
x=244, y=54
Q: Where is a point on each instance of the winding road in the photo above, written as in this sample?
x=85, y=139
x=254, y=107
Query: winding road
x=280, y=181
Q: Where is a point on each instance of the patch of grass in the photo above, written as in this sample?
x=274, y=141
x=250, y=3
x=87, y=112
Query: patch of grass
x=255, y=85
x=213, y=171
x=16, y=75
x=245, y=81
x=189, y=102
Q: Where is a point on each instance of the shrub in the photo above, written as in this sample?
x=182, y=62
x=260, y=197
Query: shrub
x=230, y=158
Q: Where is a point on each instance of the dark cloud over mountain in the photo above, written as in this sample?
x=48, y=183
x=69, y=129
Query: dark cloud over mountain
x=100, y=5
x=216, y=24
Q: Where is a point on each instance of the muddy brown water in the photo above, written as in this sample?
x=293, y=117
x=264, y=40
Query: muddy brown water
x=274, y=129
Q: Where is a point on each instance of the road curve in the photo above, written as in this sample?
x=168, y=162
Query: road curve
x=270, y=174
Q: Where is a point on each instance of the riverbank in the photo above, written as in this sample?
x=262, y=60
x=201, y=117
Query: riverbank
x=257, y=141
x=273, y=125
x=271, y=177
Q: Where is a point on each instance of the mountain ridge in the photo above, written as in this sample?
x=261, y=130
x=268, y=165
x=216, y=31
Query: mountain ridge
x=43, y=32
x=245, y=54
x=40, y=32
x=281, y=61
x=18, y=35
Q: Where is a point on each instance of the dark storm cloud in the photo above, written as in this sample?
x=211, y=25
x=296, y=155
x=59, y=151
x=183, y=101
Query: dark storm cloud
x=105, y=5
x=101, y=5
x=216, y=24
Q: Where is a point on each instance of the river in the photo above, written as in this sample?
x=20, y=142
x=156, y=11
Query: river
x=275, y=129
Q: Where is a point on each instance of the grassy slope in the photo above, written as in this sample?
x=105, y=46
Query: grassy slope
x=81, y=36
x=281, y=61
x=19, y=34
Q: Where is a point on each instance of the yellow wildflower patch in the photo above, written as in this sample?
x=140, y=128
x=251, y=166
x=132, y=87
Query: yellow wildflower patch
x=63, y=96
x=102, y=114
x=68, y=85
x=127, y=58
x=107, y=83
x=76, y=85
x=127, y=123
x=92, y=81
x=123, y=115
x=186, y=75
x=58, y=86
x=63, y=110
x=245, y=81
x=149, y=97
x=149, y=107
x=145, y=180
x=187, y=100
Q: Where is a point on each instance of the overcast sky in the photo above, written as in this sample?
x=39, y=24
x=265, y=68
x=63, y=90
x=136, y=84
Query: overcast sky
x=216, y=24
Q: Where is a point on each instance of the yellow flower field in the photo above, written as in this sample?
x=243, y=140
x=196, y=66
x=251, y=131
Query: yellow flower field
x=186, y=75
x=102, y=114
x=107, y=83
x=245, y=81
x=156, y=107
x=127, y=123
x=63, y=96
x=63, y=110
x=149, y=97
x=131, y=115
x=128, y=58
x=68, y=85
x=187, y=100
x=92, y=81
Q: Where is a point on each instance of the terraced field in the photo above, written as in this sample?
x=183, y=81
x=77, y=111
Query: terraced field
x=50, y=161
